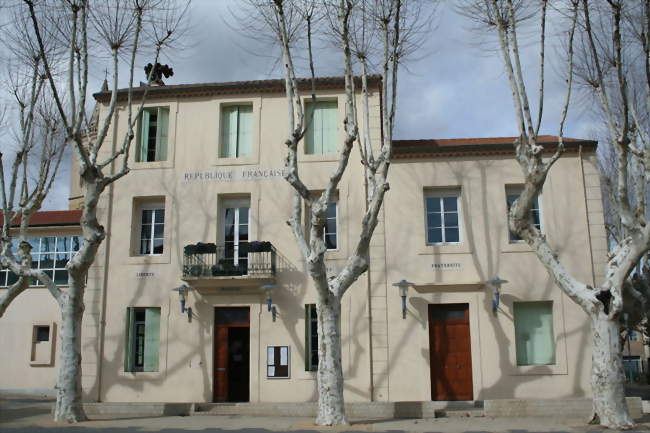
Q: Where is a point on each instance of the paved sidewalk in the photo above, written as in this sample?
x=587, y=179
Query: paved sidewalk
x=32, y=416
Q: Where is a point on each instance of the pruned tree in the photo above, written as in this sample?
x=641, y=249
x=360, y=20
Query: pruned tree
x=368, y=34
x=602, y=62
x=59, y=43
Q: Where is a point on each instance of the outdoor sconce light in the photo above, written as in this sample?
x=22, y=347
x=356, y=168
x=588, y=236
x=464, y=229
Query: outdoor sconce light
x=403, y=288
x=183, y=291
x=268, y=290
x=496, y=282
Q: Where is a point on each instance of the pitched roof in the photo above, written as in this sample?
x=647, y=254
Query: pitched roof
x=444, y=147
x=52, y=218
x=233, y=87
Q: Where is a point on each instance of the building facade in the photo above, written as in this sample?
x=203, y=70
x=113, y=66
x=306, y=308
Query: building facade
x=204, y=208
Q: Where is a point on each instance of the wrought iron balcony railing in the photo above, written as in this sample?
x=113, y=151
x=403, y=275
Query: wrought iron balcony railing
x=253, y=259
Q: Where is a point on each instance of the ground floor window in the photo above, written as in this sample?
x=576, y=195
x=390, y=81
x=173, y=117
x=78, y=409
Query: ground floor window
x=534, y=338
x=311, y=338
x=142, y=339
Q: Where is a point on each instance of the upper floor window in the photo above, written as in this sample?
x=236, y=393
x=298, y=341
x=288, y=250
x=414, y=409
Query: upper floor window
x=152, y=228
x=49, y=254
x=512, y=194
x=320, y=138
x=534, y=338
x=236, y=131
x=154, y=125
x=442, y=213
x=331, y=241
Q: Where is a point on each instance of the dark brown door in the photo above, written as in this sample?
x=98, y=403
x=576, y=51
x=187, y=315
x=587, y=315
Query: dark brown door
x=231, y=354
x=450, y=352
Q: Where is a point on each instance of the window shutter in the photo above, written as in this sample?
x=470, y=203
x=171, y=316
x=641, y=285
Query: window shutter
x=151, y=339
x=329, y=123
x=144, y=136
x=161, y=134
x=245, y=130
x=229, y=132
x=128, y=344
x=534, y=333
x=311, y=122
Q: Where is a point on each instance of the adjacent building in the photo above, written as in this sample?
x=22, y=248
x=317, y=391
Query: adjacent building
x=200, y=294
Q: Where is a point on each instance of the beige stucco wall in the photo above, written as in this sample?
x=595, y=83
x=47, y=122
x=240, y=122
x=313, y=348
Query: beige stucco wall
x=192, y=211
x=386, y=358
x=33, y=307
x=484, y=252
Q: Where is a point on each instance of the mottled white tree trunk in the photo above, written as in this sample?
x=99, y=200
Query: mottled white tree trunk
x=331, y=405
x=607, y=375
x=68, y=406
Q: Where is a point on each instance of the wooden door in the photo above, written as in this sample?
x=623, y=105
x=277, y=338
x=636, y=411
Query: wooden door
x=231, y=354
x=450, y=352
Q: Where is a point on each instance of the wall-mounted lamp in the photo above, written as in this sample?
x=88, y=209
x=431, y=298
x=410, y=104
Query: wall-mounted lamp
x=403, y=289
x=268, y=290
x=183, y=291
x=496, y=282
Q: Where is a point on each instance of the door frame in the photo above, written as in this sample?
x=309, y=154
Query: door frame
x=464, y=321
x=214, y=346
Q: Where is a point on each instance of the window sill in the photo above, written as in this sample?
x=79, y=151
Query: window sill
x=244, y=160
x=140, y=375
x=516, y=247
x=461, y=248
x=41, y=364
x=145, y=260
x=538, y=370
x=151, y=165
x=329, y=157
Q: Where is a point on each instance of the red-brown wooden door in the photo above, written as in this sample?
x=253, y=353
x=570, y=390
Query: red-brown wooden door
x=231, y=354
x=450, y=352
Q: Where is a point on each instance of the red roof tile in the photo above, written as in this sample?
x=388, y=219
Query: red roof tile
x=504, y=145
x=53, y=218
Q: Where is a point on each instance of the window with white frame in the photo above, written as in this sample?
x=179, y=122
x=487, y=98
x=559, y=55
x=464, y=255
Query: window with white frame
x=49, y=254
x=153, y=130
x=512, y=194
x=320, y=138
x=442, y=216
x=152, y=228
x=236, y=131
x=331, y=232
x=534, y=338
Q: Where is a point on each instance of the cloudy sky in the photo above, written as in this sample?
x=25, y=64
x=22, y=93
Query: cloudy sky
x=454, y=88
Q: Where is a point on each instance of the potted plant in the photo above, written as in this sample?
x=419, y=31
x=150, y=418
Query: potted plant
x=259, y=247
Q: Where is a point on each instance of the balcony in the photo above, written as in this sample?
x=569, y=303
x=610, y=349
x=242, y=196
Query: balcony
x=246, y=265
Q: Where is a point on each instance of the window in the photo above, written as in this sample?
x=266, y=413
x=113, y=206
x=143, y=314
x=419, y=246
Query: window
x=330, y=227
x=235, y=232
x=42, y=334
x=534, y=338
x=236, y=131
x=443, y=221
x=154, y=124
x=311, y=338
x=512, y=194
x=277, y=362
x=152, y=229
x=142, y=339
x=320, y=138
x=42, y=350
x=49, y=254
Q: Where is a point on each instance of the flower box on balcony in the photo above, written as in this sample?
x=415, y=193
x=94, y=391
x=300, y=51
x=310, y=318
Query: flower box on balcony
x=259, y=247
x=200, y=248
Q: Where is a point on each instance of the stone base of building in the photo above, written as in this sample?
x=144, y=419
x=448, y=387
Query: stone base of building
x=558, y=408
